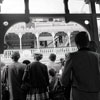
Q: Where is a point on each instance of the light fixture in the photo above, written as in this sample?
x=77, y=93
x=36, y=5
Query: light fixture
x=5, y=23
x=86, y=22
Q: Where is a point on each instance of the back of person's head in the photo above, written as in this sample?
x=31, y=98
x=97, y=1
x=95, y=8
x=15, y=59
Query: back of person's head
x=38, y=56
x=52, y=57
x=26, y=62
x=52, y=72
x=82, y=39
x=93, y=46
x=15, y=56
x=62, y=60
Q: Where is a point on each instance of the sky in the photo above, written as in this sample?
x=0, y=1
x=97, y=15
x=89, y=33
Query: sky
x=43, y=6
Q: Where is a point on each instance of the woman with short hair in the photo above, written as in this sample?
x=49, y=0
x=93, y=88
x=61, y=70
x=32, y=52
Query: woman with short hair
x=38, y=78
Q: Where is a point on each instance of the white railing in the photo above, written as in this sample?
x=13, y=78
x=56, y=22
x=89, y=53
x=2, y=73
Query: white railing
x=8, y=53
x=44, y=51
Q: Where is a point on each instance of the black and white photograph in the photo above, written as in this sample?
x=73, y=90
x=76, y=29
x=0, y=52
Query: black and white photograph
x=49, y=49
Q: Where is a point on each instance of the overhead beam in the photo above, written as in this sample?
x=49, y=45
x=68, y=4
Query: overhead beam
x=26, y=2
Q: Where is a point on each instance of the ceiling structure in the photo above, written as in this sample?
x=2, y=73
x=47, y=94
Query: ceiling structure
x=45, y=6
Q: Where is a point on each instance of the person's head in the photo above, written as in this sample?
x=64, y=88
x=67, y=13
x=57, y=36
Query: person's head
x=82, y=39
x=26, y=62
x=52, y=57
x=93, y=46
x=62, y=61
x=38, y=56
x=52, y=72
x=66, y=55
x=15, y=56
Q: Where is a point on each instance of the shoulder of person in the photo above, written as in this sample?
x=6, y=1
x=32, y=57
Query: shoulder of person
x=70, y=55
x=56, y=64
x=98, y=54
x=19, y=64
x=5, y=67
x=44, y=65
x=94, y=53
x=24, y=65
x=32, y=63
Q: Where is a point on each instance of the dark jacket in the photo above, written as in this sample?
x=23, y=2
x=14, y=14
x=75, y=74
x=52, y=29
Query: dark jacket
x=84, y=67
x=38, y=75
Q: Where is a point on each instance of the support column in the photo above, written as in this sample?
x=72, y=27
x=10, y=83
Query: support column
x=69, y=36
x=37, y=38
x=20, y=37
x=53, y=35
x=69, y=40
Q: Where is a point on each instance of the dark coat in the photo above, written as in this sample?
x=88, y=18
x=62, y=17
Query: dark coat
x=38, y=75
x=84, y=66
x=15, y=73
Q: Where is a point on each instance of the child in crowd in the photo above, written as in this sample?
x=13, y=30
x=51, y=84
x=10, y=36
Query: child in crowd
x=53, y=77
x=56, y=91
x=62, y=61
x=52, y=80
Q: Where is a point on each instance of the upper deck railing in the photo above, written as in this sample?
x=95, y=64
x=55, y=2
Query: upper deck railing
x=28, y=53
x=44, y=51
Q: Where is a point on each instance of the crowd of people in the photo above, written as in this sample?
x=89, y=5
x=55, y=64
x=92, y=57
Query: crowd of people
x=78, y=73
